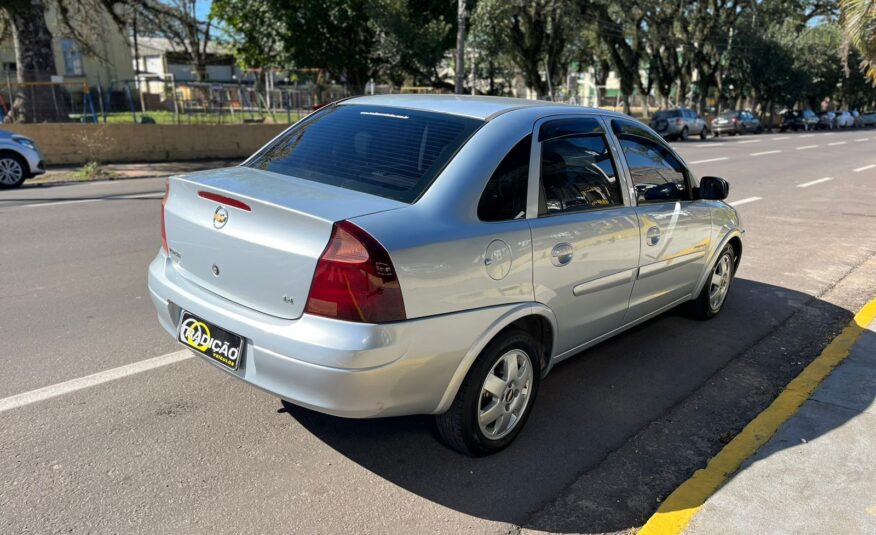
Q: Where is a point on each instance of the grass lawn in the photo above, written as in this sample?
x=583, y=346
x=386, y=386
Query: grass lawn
x=167, y=117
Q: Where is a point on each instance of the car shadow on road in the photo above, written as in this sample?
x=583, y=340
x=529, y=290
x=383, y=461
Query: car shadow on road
x=617, y=427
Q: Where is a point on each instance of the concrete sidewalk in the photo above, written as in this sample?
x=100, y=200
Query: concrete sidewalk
x=817, y=474
x=123, y=171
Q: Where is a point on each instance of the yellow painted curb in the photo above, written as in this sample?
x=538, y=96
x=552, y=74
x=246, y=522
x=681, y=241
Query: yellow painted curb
x=679, y=507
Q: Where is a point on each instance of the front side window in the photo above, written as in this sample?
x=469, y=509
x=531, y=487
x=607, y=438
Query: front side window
x=72, y=57
x=504, y=198
x=658, y=176
x=391, y=152
x=577, y=173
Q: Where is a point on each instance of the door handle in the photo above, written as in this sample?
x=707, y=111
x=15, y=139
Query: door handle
x=561, y=254
x=652, y=236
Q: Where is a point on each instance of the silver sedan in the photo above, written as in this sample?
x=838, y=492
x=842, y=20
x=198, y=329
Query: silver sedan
x=392, y=255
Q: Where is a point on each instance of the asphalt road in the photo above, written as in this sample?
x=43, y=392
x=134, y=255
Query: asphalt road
x=183, y=448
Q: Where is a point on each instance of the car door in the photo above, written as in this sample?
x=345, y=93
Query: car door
x=585, y=234
x=675, y=228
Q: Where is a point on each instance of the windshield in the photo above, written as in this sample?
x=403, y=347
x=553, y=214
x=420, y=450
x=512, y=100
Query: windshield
x=391, y=152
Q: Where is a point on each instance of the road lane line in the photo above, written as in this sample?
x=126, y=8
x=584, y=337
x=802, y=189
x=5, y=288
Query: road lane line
x=59, y=203
x=749, y=141
x=42, y=394
x=804, y=147
x=745, y=201
x=814, y=182
x=710, y=160
x=678, y=509
x=779, y=138
x=705, y=145
x=808, y=135
x=866, y=167
x=763, y=153
x=861, y=139
x=836, y=143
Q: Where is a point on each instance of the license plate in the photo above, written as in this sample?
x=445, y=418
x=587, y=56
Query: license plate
x=211, y=341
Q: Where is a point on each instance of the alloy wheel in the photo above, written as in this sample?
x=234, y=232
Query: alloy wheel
x=719, y=284
x=505, y=394
x=10, y=171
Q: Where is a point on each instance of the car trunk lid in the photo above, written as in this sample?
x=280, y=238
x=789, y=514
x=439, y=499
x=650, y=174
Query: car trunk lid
x=262, y=248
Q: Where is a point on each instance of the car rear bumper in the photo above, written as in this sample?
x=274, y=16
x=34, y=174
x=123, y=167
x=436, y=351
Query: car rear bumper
x=336, y=367
x=724, y=129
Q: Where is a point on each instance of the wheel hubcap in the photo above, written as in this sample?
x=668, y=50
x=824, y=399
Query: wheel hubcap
x=720, y=282
x=10, y=171
x=505, y=394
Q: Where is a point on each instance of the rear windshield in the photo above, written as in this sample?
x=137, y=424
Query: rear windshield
x=667, y=114
x=391, y=152
x=728, y=114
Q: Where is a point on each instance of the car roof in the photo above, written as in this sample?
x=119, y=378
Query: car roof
x=477, y=107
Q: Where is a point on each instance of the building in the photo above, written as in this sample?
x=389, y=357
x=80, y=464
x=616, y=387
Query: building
x=111, y=65
x=159, y=60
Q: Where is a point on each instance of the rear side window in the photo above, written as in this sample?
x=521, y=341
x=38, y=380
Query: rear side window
x=504, y=198
x=390, y=152
x=657, y=174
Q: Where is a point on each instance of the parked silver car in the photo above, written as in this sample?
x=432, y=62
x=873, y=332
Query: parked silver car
x=20, y=159
x=679, y=123
x=416, y=254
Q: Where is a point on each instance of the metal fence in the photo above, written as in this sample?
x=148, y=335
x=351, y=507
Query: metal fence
x=152, y=99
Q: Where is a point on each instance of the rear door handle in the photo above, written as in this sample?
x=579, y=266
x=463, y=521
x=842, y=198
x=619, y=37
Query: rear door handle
x=652, y=236
x=561, y=254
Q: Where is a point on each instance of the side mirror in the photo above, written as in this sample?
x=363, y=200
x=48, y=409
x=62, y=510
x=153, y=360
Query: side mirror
x=714, y=188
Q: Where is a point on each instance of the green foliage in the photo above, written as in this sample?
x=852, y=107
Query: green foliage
x=859, y=23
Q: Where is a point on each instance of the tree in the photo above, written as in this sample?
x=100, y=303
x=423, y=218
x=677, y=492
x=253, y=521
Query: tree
x=622, y=29
x=178, y=22
x=35, y=59
x=859, y=23
x=255, y=44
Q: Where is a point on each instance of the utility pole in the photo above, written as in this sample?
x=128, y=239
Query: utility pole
x=461, y=16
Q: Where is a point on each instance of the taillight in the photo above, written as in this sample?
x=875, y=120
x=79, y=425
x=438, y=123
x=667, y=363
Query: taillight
x=163, y=228
x=735, y=120
x=355, y=279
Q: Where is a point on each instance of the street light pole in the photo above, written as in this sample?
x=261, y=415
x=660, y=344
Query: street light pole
x=461, y=17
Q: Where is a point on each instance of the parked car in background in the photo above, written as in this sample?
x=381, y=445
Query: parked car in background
x=679, y=123
x=844, y=119
x=20, y=159
x=826, y=120
x=736, y=122
x=395, y=254
x=868, y=118
x=798, y=120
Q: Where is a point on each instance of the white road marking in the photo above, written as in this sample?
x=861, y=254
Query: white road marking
x=866, y=167
x=804, y=147
x=710, y=160
x=819, y=181
x=861, y=139
x=745, y=201
x=705, y=145
x=836, y=143
x=779, y=138
x=808, y=135
x=763, y=153
x=749, y=141
x=58, y=203
x=42, y=394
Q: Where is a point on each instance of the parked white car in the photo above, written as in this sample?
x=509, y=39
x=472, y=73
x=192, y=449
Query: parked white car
x=868, y=118
x=20, y=159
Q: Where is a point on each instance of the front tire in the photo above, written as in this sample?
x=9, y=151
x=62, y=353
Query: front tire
x=710, y=301
x=683, y=135
x=496, y=396
x=12, y=171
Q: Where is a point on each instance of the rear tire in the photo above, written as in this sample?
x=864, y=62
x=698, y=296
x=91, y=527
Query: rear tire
x=12, y=171
x=712, y=297
x=704, y=133
x=684, y=134
x=480, y=422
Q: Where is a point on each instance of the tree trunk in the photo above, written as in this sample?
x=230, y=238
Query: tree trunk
x=36, y=99
x=462, y=15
